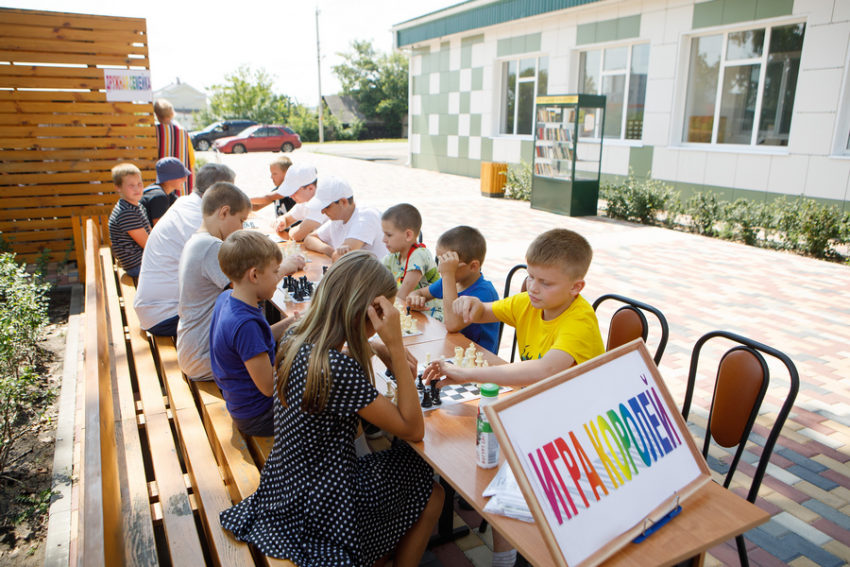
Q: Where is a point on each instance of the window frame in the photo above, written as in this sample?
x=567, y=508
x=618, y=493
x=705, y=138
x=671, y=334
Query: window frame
x=503, y=79
x=627, y=71
x=725, y=31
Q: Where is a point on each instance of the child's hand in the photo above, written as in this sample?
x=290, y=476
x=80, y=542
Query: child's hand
x=448, y=263
x=292, y=264
x=280, y=225
x=340, y=252
x=385, y=319
x=416, y=301
x=442, y=373
x=468, y=308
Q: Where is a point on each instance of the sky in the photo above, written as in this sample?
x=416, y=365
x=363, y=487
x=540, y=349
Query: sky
x=200, y=42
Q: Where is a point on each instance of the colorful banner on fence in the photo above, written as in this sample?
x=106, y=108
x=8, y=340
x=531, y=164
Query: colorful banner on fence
x=128, y=85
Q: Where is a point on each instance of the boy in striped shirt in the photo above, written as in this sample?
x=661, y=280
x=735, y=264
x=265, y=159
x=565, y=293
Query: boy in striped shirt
x=128, y=224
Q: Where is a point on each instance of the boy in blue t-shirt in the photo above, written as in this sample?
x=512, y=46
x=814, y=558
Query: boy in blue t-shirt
x=242, y=344
x=460, y=254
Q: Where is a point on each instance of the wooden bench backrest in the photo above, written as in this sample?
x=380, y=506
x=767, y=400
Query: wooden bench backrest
x=78, y=226
x=102, y=533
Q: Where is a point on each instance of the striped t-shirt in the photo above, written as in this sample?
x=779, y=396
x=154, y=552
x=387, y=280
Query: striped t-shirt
x=124, y=218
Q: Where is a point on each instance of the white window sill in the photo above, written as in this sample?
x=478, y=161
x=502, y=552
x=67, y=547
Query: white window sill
x=732, y=149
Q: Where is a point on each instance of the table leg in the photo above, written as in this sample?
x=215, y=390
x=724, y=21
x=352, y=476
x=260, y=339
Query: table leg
x=445, y=531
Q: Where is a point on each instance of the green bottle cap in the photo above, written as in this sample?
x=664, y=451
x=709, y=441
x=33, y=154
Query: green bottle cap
x=489, y=390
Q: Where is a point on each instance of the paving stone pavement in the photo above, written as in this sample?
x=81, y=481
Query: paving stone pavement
x=795, y=304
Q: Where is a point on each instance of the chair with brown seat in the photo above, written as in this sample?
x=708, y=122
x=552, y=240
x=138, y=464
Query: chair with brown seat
x=740, y=387
x=629, y=323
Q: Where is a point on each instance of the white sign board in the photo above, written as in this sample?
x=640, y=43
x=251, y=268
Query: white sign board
x=128, y=85
x=601, y=448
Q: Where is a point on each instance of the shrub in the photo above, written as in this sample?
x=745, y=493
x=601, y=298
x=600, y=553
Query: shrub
x=638, y=199
x=518, y=182
x=23, y=315
x=745, y=219
x=784, y=220
x=819, y=225
x=705, y=212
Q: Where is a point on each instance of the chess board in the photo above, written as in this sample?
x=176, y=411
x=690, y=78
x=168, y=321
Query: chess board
x=288, y=290
x=450, y=394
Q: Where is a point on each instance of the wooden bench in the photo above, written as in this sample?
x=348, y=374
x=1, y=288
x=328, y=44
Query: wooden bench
x=152, y=486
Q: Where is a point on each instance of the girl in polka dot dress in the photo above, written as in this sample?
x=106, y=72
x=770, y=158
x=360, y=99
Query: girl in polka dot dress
x=318, y=504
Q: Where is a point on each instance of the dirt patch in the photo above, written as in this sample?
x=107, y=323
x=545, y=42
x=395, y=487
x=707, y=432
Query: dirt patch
x=25, y=485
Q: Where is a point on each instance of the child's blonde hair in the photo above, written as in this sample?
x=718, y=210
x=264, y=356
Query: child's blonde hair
x=163, y=109
x=282, y=163
x=122, y=170
x=337, y=315
x=246, y=249
x=221, y=194
x=562, y=248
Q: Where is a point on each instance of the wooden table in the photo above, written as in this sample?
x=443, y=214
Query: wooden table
x=709, y=517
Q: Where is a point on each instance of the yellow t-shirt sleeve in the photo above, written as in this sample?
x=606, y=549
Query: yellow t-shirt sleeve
x=578, y=335
x=503, y=309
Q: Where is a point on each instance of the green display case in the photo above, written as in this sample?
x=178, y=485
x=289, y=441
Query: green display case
x=568, y=154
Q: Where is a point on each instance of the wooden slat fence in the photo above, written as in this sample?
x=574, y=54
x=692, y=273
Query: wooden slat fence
x=59, y=137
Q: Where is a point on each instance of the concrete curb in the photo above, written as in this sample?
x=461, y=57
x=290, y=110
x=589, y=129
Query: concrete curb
x=57, y=544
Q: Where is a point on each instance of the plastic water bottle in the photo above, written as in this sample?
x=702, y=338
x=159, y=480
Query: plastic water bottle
x=486, y=444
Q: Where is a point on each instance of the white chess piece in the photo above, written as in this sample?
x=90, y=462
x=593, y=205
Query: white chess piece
x=479, y=358
x=458, y=355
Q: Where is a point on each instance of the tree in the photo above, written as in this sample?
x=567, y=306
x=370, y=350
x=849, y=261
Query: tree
x=246, y=93
x=377, y=81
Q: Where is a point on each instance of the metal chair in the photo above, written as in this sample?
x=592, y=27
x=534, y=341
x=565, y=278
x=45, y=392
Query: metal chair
x=508, y=280
x=629, y=323
x=740, y=386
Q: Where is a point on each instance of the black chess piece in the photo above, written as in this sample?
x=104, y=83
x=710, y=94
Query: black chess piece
x=310, y=288
x=435, y=394
x=298, y=295
x=324, y=270
x=389, y=374
x=419, y=385
x=426, y=398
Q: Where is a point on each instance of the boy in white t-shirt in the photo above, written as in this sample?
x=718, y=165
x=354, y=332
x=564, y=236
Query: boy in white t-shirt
x=300, y=185
x=351, y=227
x=200, y=279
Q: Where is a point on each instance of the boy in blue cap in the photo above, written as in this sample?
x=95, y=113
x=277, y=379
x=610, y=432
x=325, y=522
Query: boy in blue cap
x=171, y=174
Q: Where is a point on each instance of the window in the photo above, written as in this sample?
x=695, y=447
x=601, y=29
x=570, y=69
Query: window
x=522, y=81
x=741, y=86
x=619, y=73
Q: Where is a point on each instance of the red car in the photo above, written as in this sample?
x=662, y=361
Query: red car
x=260, y=138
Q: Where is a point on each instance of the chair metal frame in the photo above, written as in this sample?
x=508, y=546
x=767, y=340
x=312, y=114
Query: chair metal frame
x=757, y=349
x=639, y=307
x=508, y=281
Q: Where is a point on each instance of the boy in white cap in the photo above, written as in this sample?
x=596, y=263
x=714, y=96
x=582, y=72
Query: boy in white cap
x=351, y=227
x=171, y=175
x=300, y=185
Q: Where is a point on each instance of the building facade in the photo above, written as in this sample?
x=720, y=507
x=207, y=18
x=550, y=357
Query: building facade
x=746, y=98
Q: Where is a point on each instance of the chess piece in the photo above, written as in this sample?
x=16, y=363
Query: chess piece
x=426, y=398
x=458, y=355
x=324, y=270
x=470, y=350
x=427, y=359
x=485, y=364
x=435, y=394
x=479, y=359
x=419, y=385
x=389, y=374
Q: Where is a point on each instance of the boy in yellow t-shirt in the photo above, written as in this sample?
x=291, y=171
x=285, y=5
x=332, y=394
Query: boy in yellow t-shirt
x=556, y=326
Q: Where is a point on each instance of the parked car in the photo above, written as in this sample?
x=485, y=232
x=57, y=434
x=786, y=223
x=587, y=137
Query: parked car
x=260, y=138
x=203, y=139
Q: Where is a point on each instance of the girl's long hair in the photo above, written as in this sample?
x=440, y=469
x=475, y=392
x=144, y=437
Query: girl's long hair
x=337, y=315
